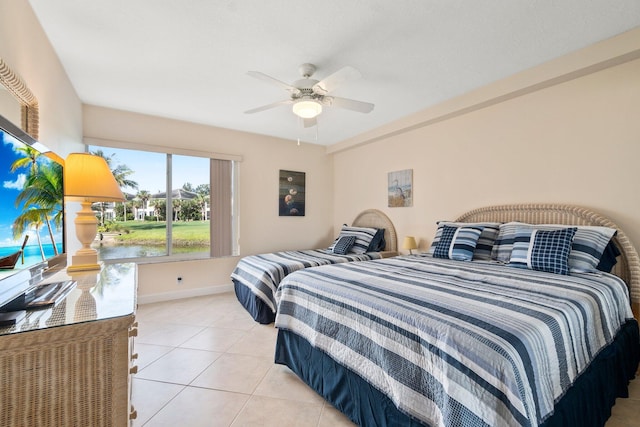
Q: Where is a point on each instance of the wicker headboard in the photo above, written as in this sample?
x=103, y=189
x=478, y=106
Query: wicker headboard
x=628, y=266
x=377, y=219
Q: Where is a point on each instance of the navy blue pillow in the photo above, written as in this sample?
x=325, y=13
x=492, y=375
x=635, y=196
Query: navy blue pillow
x=608, y=258
x=378, y=243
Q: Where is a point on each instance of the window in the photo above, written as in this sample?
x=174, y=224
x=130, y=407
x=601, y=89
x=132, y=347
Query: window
x=177, y=205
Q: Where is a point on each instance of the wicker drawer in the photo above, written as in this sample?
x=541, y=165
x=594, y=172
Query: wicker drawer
x=75, y=375
x=133, y=359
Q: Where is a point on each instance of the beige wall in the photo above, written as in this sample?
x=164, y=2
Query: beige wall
x=574, y=140
x=26, y=49
x=261, y=229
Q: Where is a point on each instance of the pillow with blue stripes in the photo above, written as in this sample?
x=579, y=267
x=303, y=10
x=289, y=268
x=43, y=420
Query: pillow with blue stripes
x=457, y=243
x=363, y=235
x=484, y=245
x=543, y=250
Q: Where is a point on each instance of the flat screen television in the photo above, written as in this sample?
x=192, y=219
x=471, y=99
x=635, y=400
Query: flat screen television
x=31, y=208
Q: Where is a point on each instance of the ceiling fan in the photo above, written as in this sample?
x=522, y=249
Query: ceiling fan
x=308, y=95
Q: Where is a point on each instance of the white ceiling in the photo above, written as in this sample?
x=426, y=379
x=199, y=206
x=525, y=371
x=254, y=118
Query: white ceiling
x=188, y=59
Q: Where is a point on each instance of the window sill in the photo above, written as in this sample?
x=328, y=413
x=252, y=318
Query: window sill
x=160, y=259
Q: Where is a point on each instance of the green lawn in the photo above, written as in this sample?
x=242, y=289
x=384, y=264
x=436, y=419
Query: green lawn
x=185, y=233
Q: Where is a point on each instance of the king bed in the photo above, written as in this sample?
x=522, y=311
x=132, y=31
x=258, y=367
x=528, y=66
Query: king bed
x=486, y=329
x=256, y=277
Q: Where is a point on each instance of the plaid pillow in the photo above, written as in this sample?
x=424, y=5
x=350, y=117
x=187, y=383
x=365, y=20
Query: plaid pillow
x=457, y=243
x=343, y=244
x=543, y=250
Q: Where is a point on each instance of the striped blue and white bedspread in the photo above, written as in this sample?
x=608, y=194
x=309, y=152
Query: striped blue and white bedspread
x=457, y=343
x=263, y=273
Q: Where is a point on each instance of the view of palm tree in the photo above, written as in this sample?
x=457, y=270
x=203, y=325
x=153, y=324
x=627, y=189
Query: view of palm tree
x=121, y=173
x=137, y=227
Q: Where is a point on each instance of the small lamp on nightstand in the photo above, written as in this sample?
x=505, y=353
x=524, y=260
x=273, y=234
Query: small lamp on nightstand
x=88, y=179
x=410, y=243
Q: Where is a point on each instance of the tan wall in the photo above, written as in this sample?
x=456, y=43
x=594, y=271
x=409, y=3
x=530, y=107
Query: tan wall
x=26, y=50
x=261, y=229
x=576, y=142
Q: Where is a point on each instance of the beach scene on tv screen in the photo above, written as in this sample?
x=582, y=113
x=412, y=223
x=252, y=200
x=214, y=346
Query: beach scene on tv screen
x=31, y=205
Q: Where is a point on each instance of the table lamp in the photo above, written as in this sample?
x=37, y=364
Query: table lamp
x=88, y=179
x=410, y=243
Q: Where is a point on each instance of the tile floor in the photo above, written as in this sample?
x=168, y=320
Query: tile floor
x=204, y=362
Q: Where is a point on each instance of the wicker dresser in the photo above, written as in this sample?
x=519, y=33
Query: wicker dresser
x=70, y=364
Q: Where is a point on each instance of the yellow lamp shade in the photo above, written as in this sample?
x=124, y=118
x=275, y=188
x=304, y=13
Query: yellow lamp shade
x=410, y=243
x=88, y=178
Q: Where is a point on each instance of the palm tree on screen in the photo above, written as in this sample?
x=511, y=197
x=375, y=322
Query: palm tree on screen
x=29, y=159
x=41, y=196
x=31, y=218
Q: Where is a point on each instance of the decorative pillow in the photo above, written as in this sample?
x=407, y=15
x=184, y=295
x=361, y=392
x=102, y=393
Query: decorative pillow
x=363, y=235
x=587, y=248
x=457, y=243
x=543, y=250
x=378, y=243
x=484, y=245
x=344, y=244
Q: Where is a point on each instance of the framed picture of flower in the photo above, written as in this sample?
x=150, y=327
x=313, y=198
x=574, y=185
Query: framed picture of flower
x=291, y=197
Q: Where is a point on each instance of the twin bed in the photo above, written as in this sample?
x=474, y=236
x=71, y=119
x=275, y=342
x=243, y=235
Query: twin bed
x=256, y=277
x=430, y=340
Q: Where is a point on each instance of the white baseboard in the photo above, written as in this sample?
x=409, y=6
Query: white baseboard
x=187, y=293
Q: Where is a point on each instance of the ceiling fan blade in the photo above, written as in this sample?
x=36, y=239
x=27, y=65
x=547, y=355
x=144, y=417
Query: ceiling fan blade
x=309, y=123
x=268, y=106
x=331, y=82
x=349, y=104
x=269, y=79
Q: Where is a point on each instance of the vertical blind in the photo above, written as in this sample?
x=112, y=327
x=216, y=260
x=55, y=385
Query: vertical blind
x=221, y=208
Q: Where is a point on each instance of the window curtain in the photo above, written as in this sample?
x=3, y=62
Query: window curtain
x=221, y=208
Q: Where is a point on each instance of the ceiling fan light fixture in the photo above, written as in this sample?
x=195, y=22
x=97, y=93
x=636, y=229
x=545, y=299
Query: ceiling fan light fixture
x=307, y=109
